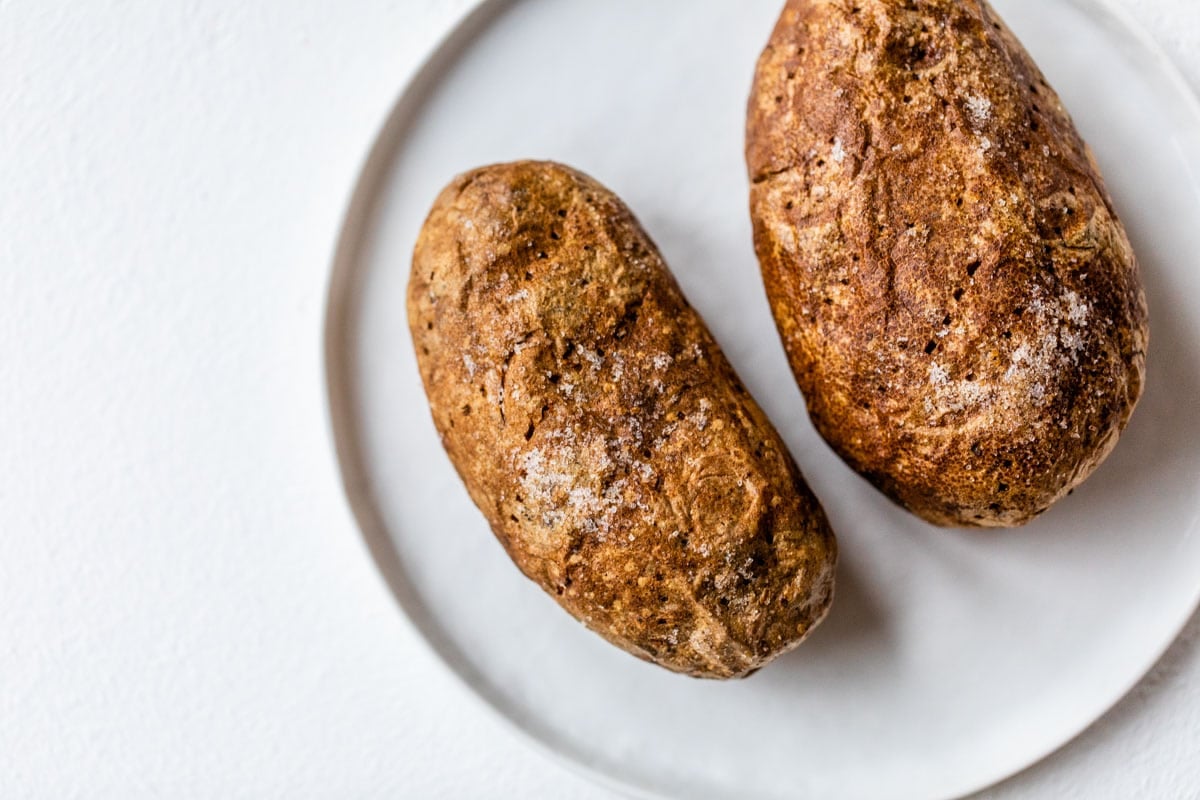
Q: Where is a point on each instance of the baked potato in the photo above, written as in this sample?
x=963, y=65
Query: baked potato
x=956, y=294
x=599, y=428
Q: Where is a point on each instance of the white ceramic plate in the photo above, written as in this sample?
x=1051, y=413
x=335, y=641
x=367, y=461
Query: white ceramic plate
x=950, y=659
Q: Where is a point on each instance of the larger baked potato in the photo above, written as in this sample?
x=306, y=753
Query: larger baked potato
x=956, y=294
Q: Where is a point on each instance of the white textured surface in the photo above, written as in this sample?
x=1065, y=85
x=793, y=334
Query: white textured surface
x=186, y=609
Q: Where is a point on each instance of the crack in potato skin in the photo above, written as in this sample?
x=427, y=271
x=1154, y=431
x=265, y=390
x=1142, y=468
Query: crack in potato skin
x=599, y=428
x=957, y=297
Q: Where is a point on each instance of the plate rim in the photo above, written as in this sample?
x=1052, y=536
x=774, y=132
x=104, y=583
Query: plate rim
x=341, y=431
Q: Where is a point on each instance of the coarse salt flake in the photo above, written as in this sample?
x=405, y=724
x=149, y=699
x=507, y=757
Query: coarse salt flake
x=839, y=152
x=980, y=109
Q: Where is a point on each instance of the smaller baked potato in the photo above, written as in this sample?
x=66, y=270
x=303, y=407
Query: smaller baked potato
x=601, y=431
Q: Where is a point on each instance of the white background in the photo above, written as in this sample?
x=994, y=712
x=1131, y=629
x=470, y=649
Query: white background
x=186, y=608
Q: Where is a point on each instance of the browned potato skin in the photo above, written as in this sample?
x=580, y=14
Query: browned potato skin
x=959, y=302
x=598, y=426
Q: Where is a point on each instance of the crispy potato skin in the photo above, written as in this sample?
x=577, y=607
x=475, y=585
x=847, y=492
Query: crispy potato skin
x=957, y=297
x=601, y=431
